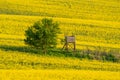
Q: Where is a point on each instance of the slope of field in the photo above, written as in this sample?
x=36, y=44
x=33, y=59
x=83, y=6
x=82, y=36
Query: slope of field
x=19, y=63
x=89, y=33
x=95, y=23
x=22, y=58
x=84, y=9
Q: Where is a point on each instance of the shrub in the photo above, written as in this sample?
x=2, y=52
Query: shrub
x=42, y=35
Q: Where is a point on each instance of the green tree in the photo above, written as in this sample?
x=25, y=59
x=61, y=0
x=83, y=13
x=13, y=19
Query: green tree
x=43, y=34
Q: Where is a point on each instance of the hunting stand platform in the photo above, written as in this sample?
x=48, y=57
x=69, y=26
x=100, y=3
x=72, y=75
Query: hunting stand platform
x=69, y=40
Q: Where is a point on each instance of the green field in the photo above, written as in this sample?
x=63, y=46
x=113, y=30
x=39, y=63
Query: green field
x=95, y=23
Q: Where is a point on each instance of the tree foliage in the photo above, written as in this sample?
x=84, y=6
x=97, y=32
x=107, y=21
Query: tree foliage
x=43, y=34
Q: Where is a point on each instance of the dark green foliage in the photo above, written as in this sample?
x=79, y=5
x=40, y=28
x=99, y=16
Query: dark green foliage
x=43, y=34
x=111, y=57
x=98, y=55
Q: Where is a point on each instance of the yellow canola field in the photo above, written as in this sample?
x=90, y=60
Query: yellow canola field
x=89, y=33
x=58, y=75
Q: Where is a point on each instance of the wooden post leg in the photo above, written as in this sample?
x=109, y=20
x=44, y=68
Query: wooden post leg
x=74, y=46
x=64, y=46
x=67, y=47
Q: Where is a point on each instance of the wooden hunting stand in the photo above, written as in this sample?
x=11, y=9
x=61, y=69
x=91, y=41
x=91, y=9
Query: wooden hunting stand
x=69, y=40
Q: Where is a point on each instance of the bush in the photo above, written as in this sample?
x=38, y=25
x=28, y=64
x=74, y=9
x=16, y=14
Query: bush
x=43, y=34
